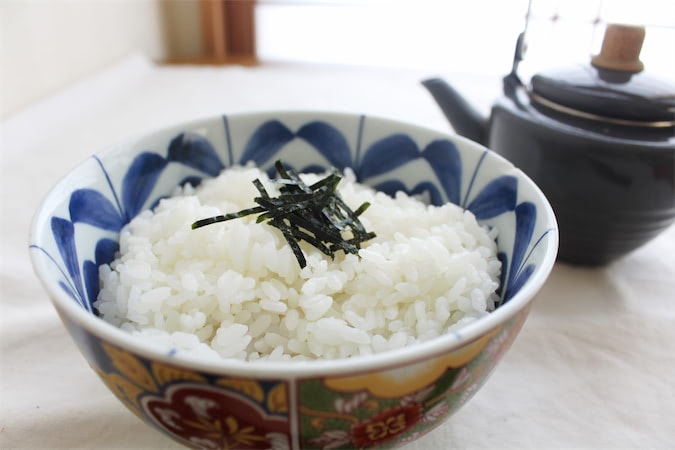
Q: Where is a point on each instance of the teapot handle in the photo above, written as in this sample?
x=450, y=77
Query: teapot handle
x=519, y=53
x=512, y=81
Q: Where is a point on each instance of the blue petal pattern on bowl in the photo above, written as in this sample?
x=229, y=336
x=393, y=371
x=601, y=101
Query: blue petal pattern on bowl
x=376, y=164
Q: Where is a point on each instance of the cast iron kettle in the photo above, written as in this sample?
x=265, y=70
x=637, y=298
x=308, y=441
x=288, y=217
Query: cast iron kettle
x=598, y=139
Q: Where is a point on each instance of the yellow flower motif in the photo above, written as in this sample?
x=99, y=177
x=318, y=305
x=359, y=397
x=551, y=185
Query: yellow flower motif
x=130, y=367
x=247, y=387
x=212, y=429
x=317, y=422
x=163, y=374
x=231, y=434
x=401, y=381
x=277, y=400
x=125, y=391
x=242, y=437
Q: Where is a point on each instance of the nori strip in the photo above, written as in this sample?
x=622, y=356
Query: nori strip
x=315, y=214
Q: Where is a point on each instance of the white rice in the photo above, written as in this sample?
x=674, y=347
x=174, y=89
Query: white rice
x=235, y=290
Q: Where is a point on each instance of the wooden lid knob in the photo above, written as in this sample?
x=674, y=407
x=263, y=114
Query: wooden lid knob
x=621, y=48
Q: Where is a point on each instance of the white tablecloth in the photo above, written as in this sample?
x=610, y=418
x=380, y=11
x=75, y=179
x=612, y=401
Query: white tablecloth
x=594, y=366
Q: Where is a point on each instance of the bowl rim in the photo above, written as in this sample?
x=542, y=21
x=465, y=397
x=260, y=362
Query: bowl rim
x=419, y=352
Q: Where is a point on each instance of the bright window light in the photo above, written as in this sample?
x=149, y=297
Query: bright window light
x=471, y=37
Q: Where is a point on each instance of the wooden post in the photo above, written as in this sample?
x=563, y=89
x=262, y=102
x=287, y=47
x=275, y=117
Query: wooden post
x=228, y=30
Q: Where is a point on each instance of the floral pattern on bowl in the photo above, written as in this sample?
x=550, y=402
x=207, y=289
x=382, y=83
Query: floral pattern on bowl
x=109, y=210
x=365, y=410
x=206, y=405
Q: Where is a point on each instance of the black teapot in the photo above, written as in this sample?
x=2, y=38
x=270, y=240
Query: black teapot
x=598, y=139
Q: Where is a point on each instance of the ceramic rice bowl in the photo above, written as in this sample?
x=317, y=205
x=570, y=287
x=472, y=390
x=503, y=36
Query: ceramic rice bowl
x=386, y=399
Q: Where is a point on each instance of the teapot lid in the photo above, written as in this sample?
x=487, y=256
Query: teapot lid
x=614, y=88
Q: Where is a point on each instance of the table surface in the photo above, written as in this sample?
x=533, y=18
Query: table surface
x=594, y=366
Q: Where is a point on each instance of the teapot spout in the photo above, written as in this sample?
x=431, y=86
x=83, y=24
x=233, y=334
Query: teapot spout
x=463, y=117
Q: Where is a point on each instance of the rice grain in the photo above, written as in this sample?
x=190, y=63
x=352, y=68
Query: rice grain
x=235, y=289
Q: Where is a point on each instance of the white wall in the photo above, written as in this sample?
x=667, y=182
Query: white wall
x=48, y=44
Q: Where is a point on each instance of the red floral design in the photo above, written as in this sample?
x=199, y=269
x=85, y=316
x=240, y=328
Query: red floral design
x=385, y=426
x=209, y=417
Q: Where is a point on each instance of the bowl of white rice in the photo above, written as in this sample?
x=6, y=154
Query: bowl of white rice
x=294, y=280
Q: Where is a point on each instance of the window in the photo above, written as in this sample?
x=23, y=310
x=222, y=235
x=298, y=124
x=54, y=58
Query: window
x=470, y=36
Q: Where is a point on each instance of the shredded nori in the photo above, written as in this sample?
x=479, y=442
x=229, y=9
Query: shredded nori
x=315, y=214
